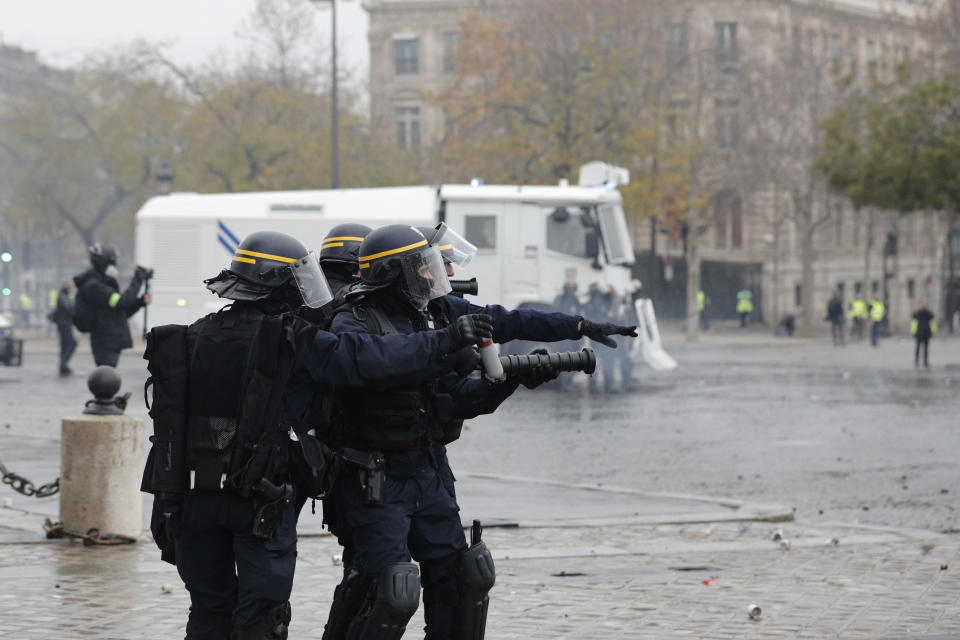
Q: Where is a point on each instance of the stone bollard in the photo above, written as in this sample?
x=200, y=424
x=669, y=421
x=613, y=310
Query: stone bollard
x=100, y=468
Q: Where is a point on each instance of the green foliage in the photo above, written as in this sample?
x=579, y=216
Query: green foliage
x=897, y=150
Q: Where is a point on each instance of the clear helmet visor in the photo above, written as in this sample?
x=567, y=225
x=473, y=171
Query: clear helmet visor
x=424, y=276
x=453, y=247
x=311, y=281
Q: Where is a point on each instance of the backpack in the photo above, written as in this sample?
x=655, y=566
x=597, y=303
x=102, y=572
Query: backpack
x=82, y=313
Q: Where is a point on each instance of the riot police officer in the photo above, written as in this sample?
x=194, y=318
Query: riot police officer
x=338, y=254
x=100, y=308
x=395, y=498
x=221, y=464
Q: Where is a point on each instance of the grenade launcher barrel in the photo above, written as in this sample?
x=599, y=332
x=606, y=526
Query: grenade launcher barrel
x=584, y=360
x=468, y=287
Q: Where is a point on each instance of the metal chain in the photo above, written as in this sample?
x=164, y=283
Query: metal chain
x=21, y=485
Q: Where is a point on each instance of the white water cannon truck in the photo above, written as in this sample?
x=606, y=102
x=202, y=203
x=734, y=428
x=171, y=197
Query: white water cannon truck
x=530, y=239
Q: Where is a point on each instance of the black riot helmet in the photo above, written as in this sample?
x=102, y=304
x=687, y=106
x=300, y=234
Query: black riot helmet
x=401, y=256
x=269, y=264
x=342, y=243
x=102, y=255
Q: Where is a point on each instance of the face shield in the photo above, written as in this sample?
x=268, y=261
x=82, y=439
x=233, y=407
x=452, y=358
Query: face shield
x=453, y=247
x=424, y=276
x=310, y=281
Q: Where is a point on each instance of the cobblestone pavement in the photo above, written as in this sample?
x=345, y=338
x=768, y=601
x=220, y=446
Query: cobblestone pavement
x=583, y=582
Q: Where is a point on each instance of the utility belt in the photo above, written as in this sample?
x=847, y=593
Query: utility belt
x=374, y=466
x=270, y=499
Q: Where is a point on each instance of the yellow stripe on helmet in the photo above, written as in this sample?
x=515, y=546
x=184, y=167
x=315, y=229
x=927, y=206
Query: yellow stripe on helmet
x=332, y=244
x=266, y=256
x=248, y=260
x=391, y=252
x=344, y=238
x=364, y=266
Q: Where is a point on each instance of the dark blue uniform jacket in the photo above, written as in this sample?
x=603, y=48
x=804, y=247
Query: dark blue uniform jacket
x=519, y=324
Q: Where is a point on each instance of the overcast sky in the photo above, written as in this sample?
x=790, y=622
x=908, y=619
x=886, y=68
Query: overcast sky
x=63, y=31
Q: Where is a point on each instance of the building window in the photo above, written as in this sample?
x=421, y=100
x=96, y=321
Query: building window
x=449, y=47
x=875, y=287
x=841, y=289
x=853, y=54
x=728, y=125
x=855, y=231
x=797, y=295
x=857, y=288
x=481, y=231
x=406, y=54
x=676, y=45
x=911, y=288
x=871, y=53
x=835, y=55
x=796, y=45
x=838, y=225
x=408, y=127
x=908, y=224
x=728, y=220
x=726, y=45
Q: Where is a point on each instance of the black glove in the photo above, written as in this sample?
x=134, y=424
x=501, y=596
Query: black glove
x=539, y=374
x=143, y=273
x=165, y=507
x=465, y=360
x=469, y=330
x=598, y=331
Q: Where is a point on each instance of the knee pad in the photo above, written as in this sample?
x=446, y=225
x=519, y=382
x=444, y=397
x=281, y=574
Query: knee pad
x=476, y=575
x=396, y=599
x=348, y=599
x=272, y=625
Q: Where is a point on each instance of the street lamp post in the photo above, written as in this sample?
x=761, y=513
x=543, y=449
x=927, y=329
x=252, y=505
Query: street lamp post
x=334, y=111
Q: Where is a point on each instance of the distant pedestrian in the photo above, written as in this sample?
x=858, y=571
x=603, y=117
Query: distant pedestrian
x=744, y=306
x=62, y=317
x=102, y=310
x=859, y=315
x=877, y=313
x=26, y=308
x=923, y=327
x=703, y=303
x=835, y=316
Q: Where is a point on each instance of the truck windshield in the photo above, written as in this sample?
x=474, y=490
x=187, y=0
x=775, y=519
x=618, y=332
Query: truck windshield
x=567, y=229
x=616, y=237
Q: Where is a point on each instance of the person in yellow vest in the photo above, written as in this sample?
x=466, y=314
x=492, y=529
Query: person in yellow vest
x=923, y=327
x=26, y=308
x=702, y=303
x=744, y=305
x=858, y=314
x=877, y=313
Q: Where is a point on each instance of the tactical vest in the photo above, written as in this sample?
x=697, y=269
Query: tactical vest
x=229, y=371
x=397, y=418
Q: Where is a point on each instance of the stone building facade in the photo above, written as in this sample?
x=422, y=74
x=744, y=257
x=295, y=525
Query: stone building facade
x=828, y=48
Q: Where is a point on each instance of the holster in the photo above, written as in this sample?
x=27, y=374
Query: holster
x=271, y=500
x=371, y=468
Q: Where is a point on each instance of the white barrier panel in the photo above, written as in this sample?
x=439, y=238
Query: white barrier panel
x=650, y=345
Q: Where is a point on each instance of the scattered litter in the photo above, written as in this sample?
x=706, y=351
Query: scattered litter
x=785, y=544
x=814, y=398
x=753, y=611
x=778, y=535
x=336, y=559
x=567, y=574
x=166, y=588
x=846, y=375
x=833, y=541
x=865, y=508
x=707, y=582
x=944, y=490
x=944, y=567
x=8, y=502
x=927, y=548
